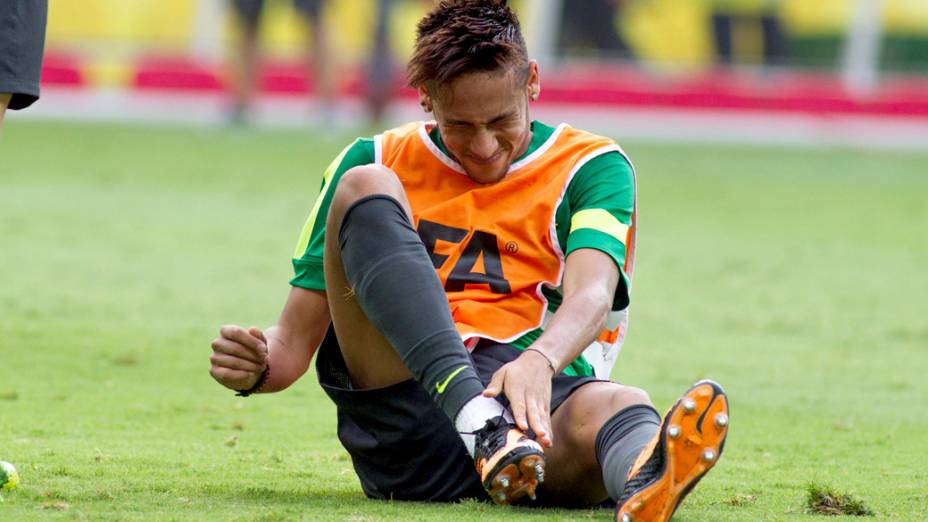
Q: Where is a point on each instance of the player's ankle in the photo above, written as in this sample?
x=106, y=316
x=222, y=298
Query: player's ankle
x=474, y=416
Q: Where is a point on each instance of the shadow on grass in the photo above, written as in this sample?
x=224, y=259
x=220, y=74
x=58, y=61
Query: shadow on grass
x=283, y=495
x=335, y=500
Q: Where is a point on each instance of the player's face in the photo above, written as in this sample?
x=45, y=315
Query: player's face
x=483, y=120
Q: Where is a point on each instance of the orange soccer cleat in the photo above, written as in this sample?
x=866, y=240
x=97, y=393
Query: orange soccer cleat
x=510, y=464
x=689, y=443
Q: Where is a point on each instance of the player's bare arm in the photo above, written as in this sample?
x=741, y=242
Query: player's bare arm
x=590, y=279
x=241, y=356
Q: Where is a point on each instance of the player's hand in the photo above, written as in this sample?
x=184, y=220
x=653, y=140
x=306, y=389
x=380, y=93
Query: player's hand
x=526, y=382
x=239, y=357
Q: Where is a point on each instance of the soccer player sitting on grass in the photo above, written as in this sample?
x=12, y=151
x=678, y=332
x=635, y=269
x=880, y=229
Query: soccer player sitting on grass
x=466, y=283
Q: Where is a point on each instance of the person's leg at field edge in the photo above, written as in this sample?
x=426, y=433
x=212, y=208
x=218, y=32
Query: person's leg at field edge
x=4, y=101
x=381, y=64
x=246, y=66
x=319, y=59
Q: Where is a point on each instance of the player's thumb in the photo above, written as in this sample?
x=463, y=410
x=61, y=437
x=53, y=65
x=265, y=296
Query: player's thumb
x=496, y=385
x=258, y=334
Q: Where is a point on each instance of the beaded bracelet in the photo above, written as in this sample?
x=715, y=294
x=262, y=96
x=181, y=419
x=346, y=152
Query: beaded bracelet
x=548, y=359
x=258, y=385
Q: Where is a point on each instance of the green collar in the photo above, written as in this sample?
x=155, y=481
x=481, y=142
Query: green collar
x=540, y=134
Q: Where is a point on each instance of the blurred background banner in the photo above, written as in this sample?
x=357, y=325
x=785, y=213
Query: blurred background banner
x=724, y=58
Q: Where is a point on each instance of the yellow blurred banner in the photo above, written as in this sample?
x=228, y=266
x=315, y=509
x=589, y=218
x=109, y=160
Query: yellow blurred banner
x=179, y=25
x=670, y=31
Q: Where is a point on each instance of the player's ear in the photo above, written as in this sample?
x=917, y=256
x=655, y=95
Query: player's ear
x=424, y=99
x=533, y=82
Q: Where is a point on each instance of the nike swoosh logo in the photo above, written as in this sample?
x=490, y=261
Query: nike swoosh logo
x=440, y=386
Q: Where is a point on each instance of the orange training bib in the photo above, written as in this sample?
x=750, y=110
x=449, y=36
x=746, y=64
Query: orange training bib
x=493, y=246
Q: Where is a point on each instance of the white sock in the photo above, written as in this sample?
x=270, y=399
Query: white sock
x=474, y=415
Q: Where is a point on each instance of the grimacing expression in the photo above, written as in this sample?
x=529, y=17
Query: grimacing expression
x=483, y=120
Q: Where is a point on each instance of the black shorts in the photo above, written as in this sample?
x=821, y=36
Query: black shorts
x=22, y=43
x=402, y=446
x=250, y=10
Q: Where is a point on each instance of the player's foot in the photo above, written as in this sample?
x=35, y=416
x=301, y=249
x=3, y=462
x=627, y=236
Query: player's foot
x=510, y=464
x=689, y=443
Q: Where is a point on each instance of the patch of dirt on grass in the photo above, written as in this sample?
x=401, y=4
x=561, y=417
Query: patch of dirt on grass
x=822, y=500
x=740, y=500
x=126, y=360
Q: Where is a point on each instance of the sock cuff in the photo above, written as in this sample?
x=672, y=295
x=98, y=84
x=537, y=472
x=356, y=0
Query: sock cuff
x=621, y=424
x=366, y=199
x=461, y=391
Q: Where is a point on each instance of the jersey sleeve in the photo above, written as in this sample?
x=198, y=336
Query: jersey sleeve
x=601, y=199
x=307, y=257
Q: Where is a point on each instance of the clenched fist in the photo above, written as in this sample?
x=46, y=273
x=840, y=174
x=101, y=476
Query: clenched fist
x=239, y=357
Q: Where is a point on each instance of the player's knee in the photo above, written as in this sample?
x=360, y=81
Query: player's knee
x=597, y=402
x=366, y=180
x=592, y=406
x=625, y=396
x=604, y=401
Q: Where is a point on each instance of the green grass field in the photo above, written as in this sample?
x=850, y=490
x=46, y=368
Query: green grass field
x=794, y=277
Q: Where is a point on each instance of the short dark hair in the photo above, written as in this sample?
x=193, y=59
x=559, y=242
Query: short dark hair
x=465, y=36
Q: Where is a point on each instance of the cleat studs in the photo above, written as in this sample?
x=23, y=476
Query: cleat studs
x=708, y=455
x=673, y=431
x=504, y=482
x=532, y=496
x=721, y=420
x=689, y=405
x=539, y=473
x=501, y=497
x=626, y=517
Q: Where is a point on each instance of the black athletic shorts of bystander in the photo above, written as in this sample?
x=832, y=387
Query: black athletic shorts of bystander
x=22, y=44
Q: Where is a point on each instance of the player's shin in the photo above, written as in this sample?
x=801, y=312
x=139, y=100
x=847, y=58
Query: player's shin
x=621, y=440
x=396, y=286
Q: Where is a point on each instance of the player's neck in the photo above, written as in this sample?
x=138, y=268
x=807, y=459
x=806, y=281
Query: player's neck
x=526, y=142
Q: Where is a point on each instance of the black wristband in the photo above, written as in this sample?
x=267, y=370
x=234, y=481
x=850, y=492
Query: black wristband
x=257, y=386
